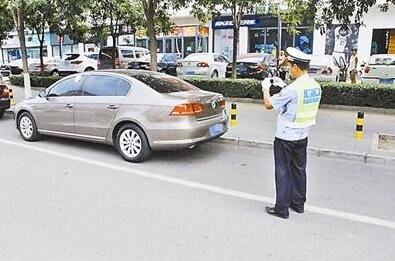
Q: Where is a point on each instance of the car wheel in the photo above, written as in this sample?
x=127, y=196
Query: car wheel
x=55, y=73
x=132, y=143
x=214, y=75
x=2, y=113
x=27, y=127
x=89, y=69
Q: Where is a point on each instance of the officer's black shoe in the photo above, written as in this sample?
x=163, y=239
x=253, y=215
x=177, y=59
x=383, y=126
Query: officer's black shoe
x=299, y=210
x=272, y=211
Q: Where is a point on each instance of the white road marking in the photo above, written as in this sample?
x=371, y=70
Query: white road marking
x=214, y=189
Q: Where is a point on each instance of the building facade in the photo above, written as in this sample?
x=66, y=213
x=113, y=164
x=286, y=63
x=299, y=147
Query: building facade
x=376, y=36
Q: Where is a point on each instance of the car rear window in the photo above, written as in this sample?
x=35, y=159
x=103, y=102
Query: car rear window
x=198, y=57
x=106, y=53
x=72, y=56
x=165, y=84
x=382, y=61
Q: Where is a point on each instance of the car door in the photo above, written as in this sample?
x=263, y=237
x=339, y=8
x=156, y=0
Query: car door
x=95, y=108
x=55, y=113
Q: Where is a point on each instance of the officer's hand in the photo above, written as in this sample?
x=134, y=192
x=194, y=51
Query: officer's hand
x=277, y=81
x=266, y=83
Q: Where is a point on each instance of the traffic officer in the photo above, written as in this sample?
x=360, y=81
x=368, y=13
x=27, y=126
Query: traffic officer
x=297, y=104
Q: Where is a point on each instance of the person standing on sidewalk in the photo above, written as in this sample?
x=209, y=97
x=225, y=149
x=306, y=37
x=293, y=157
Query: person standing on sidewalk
x=297, y=104
x=353, y=65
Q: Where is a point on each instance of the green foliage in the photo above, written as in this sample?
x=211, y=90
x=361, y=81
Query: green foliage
x=35, y=80
x=6, y=22
x=368, y=95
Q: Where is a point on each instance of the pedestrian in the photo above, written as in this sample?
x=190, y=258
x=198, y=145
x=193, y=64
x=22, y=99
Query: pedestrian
x=297, y=104
x=352, y=68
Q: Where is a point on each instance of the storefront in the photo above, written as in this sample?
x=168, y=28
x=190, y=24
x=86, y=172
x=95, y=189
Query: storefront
x=257, y=34
x=188, y=36
x=376, y=36
x=10, y=50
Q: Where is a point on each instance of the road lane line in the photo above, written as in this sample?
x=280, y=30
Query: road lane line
x=218, y=190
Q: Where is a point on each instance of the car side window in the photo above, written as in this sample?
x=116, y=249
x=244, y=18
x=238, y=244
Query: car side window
x=102, y=85
x=68, y=87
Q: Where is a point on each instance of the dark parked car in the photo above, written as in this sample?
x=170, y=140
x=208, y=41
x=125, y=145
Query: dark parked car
x=253, y=65
x=4, y=99
x=167, y=63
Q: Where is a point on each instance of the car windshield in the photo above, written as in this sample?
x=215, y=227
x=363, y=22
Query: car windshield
x=165, y=84
x=382, y=61
x=320, y=60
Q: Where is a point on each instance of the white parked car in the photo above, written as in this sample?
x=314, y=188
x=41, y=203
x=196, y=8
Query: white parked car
x=75, y=63
x=327, y=68
x=204, y=65
x=380, y=69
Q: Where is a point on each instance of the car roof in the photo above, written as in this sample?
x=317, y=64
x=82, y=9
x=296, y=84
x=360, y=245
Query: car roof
x=124, y=47
x=127, y=72
x=382, y=56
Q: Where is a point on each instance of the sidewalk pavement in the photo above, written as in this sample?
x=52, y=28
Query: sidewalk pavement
x=332, y=136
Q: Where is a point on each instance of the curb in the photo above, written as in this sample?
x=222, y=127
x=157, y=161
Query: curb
x=315, y=151
x=323, y=106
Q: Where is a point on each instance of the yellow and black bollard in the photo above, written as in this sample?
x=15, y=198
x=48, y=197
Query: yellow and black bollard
x=11, y=96
x=233, y=112
x=359, y=122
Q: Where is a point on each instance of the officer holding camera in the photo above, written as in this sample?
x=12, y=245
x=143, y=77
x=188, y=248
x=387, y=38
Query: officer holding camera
x=297, y=104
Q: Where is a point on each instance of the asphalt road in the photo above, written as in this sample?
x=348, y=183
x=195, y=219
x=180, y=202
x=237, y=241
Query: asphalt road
x=71, y=200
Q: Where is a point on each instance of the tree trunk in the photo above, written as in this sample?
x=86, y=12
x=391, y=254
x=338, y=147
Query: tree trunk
x=19, y=18
x=41, y=40
x=114, y=53
x=150, y=13
x=41, y=57
x=236, y=31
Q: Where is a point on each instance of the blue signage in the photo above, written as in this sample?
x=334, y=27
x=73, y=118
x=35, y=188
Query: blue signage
x=226, y=22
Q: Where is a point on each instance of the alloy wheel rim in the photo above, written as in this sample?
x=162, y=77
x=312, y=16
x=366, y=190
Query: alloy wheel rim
x=130, y=143
x=26, y=127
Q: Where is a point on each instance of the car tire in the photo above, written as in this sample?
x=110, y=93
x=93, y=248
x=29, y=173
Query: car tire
x=89, y=69
x=55, y=73
x=132, y=143
x=2, y=113
x=27, y=127
x=214, y=74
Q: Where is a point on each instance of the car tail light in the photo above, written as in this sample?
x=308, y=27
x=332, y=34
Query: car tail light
x=202, y=64
x=178, y=64
x=76, y=62
x=327, y=71
x=4, y=92
x=187, y=109
x=222, y=104
x=117, y=63
x=367, y=69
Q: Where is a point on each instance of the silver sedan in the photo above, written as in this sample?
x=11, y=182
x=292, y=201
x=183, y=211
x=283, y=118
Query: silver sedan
x=135, y=111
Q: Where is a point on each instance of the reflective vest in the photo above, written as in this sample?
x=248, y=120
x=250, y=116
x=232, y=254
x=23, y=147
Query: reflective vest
x=309, y=96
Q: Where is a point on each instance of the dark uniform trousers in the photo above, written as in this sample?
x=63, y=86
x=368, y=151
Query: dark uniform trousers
x=290, y=174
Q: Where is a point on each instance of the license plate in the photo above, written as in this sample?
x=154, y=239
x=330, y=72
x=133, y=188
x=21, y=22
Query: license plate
x=216, y=129
x=386, y=81
x=190, y=72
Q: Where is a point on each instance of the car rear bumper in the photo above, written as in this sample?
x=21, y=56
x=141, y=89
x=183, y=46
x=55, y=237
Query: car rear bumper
x=5, y=104
x=194, y=133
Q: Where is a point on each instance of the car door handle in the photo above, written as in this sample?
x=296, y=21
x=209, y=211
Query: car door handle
x=69, y=106
x=112, y=107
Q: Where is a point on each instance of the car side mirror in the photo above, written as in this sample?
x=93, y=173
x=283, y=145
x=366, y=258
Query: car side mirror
x=42, y=94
